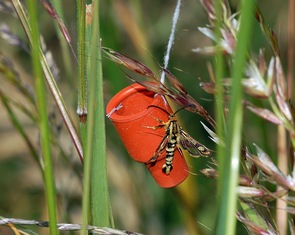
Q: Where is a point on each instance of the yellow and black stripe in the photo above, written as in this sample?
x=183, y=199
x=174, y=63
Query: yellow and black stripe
x=172, y=132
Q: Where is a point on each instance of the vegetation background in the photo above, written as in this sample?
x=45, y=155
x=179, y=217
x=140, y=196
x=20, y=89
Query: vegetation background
x=139, y=29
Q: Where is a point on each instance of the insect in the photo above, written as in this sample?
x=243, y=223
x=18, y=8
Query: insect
x=176, y=138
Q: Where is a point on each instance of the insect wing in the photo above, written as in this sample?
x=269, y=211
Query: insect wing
x=194, y=148
x=160, y=149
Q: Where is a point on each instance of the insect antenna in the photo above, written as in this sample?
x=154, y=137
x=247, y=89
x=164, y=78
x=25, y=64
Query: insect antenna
x=160, y=108
x=189, y=105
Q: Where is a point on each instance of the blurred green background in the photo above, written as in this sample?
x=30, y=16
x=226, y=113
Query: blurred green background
x=139, y=29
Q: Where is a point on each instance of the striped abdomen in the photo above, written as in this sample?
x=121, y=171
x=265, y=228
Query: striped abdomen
x=172, y=132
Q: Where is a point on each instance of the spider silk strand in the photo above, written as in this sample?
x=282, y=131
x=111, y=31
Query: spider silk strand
x=171, y=39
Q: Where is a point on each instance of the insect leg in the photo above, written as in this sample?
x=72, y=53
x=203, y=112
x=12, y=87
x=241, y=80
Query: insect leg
x=155, y=127
x=160, y=149
x=163, y=124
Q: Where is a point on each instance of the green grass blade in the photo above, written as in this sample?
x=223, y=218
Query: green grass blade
x=219, y=102
x=82, y=112
x=43, y=120
x=82, y=46
x=82, y=65
x=229, y=163
x=100, y=202
x=95, y=153
x=66, y=55
x=50, y=81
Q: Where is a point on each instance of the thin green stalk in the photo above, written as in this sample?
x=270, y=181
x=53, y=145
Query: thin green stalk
x=82, y=112
x=219, y=68
x=43, y=121
x=95, y=175
x=100, y=202
x=219, y=109
x=21, y=13
x=63, y=43
x=82, y=68
x=229, y=164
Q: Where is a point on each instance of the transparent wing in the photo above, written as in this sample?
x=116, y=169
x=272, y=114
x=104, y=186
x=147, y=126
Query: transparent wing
x=160, y=149
x=194, y=148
